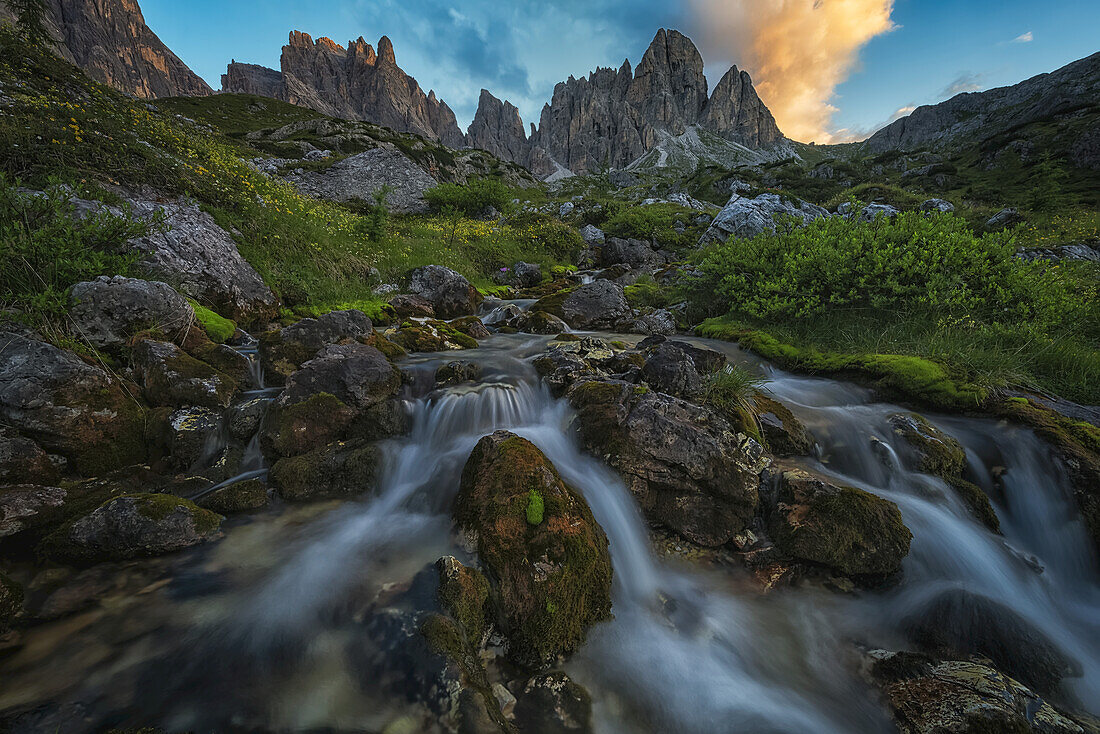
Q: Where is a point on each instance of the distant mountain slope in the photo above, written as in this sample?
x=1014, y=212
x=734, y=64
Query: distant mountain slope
x=110, y=41
x=356, y=83
x=975, y=116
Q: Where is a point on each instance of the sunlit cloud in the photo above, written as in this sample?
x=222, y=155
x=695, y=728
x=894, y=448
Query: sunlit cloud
x=797, y=51
x=1024, y=38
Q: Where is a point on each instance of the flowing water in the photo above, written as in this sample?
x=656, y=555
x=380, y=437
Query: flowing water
x=265, y=630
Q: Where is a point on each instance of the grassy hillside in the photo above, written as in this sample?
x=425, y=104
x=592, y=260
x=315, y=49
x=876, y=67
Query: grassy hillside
x=60, y=127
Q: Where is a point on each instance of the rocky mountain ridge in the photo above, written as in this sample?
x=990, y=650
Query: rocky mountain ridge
x=1071, y=89
x=111, y=42
x=614, y=117
x=357, y=83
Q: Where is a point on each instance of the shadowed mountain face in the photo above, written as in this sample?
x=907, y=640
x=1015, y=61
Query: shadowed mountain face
x=613, y=117
x=110, y=41
x=1073, y=89
x=356, y=83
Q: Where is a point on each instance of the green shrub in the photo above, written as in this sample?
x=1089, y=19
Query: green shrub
x=217, y=327
x=646, y=292
x=44, y=249
x=655, y=222
x=472, y=199
x=731, y=389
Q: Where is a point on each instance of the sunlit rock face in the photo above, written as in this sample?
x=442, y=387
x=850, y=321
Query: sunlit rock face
x=110, y=41
x=356, y=83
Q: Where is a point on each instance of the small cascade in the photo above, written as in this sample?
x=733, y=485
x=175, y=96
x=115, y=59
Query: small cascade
x=252, y=464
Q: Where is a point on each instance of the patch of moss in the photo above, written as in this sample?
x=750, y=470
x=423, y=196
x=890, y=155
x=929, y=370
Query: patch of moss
x=111, y=432
x=535, y=507
x=335, y=470
x=554, y=303
x=912, y=378
x=392, y=351
x=464, y=594
x=217, y=327
x=239, y=497
x=157, y=507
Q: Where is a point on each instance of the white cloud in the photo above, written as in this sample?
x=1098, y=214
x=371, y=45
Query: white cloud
x=1024, y=38
x=967, y=82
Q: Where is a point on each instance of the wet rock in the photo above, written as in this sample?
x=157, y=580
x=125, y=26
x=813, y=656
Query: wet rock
x=540, y=322
x=552, y=703
x=598, y=305
x=174, y=378
x=783, y=432
x=243, y=419
x=932, y=451
x=108, y=311
x=1002, y=220
x=743, y=217
x=27, y=506
x=543, y=551
x=930, y=696
x=937, y=205
x=471, y=326
x=958, y=623
x=687, y=467
x=450, y=294
x=301, y=427
x=190, y=433
x=250, y=494
x=283, y=352
x=134, y=526
x=431, y=336
x=11, y=602
x=678, y=368
x=464, y=596
x=412, y=306
x=22, y=460
x=342, y=469
x=67, y=406
x=520, y=275
x=851, y=531
x=655, y=321
x=456, y=373
x=358, y=375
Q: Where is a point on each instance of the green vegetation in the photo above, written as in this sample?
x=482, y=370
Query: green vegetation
x=44, y=250
x=920, y=303
x=218, y=328
x=535, y=507
x=730, y=391
x=655, y=222
x=646, y=292
x=472, y=199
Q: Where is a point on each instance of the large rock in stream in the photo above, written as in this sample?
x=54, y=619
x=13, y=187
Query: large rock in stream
x=68, y=406
x=284, y=351
x=544, y=553
x=686, y=465
x=598, y=305
x=450, y=294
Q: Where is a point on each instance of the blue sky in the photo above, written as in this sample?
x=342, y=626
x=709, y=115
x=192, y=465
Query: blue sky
x=519, y=49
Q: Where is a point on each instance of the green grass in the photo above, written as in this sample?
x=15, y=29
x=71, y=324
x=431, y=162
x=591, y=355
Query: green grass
x=236, y=115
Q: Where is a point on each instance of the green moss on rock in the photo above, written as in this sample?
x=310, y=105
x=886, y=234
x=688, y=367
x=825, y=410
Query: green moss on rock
x=337, y=470
x=250, y=494
x=464, y=595
x=217, y=327
x=551, y=580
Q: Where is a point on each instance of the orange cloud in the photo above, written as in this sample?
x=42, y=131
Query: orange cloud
x=797, y=51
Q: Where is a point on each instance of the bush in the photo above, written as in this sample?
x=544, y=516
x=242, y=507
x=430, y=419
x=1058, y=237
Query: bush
x=655, y=222
x=914, y=264
x=473, y=199
x=44, y=249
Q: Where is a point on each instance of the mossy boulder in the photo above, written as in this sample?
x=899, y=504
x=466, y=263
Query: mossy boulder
x=930, y=450
x=929, y=696
x=431, y=336
x=598, y=305
x=250, y=494
x=392, y=350
x=298, y=428
x=174, y=378
x=282, y=352
x=218, y=328
x=471, y=326
x=67, y=406
x=134, y=526
x=783, y=433
x=11, y=602
x=551, y=578
x=552, y=703
x=464, y=595
x=342, y=469
x=109, y=310
x=848, y=530
x=456, y=373
x=358, y=375
x=540, y=322
x=687, y=466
